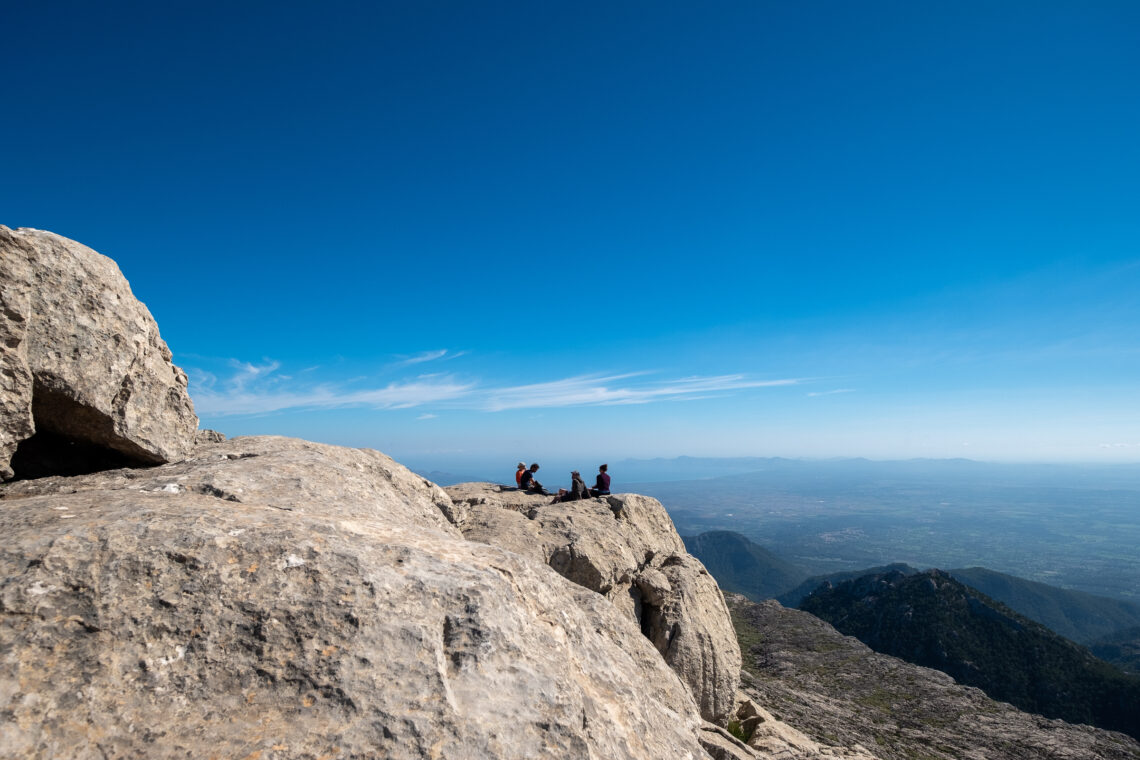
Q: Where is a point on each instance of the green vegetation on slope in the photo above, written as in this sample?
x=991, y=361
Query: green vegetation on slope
x=1076, y=615
x=799, y=593
x=933, y=620
x=742, y=566
x=1122, y=649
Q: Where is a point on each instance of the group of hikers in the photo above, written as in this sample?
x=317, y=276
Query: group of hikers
x=525, y=480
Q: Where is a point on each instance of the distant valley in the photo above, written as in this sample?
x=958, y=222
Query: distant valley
x=1067, y=526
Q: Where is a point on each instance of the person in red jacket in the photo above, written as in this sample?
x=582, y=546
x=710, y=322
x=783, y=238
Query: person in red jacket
x=518, y=474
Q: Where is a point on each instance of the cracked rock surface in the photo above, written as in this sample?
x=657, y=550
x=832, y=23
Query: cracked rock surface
x=625, y=548
x=82, y=365
x=275, y=598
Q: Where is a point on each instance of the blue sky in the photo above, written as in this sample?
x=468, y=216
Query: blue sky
x=515, y=230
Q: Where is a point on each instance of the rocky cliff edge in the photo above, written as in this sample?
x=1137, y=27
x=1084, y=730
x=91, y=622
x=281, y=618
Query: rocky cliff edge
x=274, y=596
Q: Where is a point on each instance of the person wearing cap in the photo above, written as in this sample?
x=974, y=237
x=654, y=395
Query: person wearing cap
x=518, y=474
x=577, y=490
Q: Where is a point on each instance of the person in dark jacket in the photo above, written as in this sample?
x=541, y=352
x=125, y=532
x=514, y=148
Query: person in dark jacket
x=577, y=490
x=602, y=484
x=529, y=484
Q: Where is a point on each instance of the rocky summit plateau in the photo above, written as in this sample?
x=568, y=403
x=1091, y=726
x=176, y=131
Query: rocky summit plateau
x=168, y=593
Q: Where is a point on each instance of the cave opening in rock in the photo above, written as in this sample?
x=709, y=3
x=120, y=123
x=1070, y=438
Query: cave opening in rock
x=647, y=613
x=47, y=453
x=71, y=439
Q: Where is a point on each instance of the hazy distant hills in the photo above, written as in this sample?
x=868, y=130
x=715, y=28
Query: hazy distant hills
x=951, y=470
x=933, y=620
x=1121, y=649
x=802, y=591
x=742, y=566
x=1082, y=617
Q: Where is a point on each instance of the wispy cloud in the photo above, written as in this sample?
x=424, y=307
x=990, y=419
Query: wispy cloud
x=595, y=390
x=249, y=373
x=394, y=395
x=256, y=389
x=832, y=393
x=427, y=417
x=429, y=356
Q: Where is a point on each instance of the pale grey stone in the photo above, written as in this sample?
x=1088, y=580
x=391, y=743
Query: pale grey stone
x=626, y=548
x=275, y=598
x=82, y=357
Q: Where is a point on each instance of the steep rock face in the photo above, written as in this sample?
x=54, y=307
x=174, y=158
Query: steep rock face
x=280, y=599
x=626, y=548
x=84, y=368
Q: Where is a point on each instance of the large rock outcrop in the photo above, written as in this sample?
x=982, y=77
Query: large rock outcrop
x=85, y=380
x=275, y=598
x=626, y=548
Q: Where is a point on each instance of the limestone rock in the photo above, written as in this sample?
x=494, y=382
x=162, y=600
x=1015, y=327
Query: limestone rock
x=83, y=366
x=280, y=599
x=205, y=437
x=721, y=745
x=626, y=548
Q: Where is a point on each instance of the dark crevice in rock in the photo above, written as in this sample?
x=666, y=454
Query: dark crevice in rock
x=46, y=454
x=72, y=439
x=209, y=490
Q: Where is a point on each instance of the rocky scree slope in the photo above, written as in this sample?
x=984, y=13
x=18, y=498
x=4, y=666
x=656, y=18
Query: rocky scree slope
x=933, y=620
x=835, y=689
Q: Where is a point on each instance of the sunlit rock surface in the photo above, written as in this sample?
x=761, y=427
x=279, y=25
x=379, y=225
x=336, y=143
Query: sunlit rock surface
x=85, y=380
x=626, y=548
x=286, y=598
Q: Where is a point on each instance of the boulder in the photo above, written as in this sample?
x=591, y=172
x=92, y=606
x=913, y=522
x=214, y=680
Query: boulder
x=274, y=598
x=626, y=548
x=86, y=382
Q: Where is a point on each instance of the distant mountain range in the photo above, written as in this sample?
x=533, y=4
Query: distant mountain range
x=742, y=566
x=784, y=469
x=933, y=620
x=1121, y=649
x=1084, y=618
x=793, y=597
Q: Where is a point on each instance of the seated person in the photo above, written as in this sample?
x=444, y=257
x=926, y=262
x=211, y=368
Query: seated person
x=602, y=484
x=519, y=473
x=529, y=484
x=577, y=490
